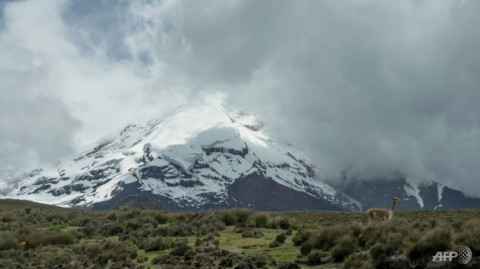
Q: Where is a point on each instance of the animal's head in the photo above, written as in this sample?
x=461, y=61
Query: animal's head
x=396, y=200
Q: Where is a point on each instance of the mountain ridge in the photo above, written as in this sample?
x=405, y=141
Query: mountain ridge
x=189, y=158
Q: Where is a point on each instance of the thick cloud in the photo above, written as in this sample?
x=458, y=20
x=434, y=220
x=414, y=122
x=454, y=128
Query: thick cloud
x=373, y=87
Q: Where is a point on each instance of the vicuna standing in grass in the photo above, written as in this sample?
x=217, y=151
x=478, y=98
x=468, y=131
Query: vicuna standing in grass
x=382, y=213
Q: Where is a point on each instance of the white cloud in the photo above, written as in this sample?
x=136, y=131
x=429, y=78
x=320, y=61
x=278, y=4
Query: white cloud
x=376, y=87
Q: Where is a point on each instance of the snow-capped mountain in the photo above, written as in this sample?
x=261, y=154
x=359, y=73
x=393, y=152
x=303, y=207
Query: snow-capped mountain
x=197, y=157
x=426, y=195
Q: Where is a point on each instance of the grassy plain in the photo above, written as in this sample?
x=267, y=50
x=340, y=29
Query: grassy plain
x=40, y=236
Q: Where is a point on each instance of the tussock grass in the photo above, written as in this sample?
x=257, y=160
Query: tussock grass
x=39, y=236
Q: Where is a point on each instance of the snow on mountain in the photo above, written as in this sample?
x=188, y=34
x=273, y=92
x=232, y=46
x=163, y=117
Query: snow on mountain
x=425, y=195
x=413, y=191
x=191, y=158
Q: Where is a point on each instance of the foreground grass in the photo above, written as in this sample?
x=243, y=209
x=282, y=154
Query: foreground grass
x=235, y=242
x=40, y=236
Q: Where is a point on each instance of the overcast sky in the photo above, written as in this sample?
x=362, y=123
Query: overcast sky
x=378, y=87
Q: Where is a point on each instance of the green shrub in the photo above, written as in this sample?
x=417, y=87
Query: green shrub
x=180, y=249
x=132, y=214
x=157, y=243
x=274, y=244
x=58, y=258
x=284, y=223
x=279, y=223
x=100, y=253
x=356, y=261
x=280, y=238
x=301, y=236
x=315, y=257
x=257, y=220
x=288, y=265
x=241, y=214
x=55, y=218
x=322, y=239
x=89, y=229
x=179, y=229
x=470, y=236
x=227, y=261
x=26, y=231
x=258, y=260
x=8, y=241
x=111, y=230
x=161, y=218
x=11, y=264
x=433, y=223
x=183, y=217
x=81, y=220
x=206, y=223
x=251, y=233
x=434, y=241
x=47, y=238
x=394, y=243
x=133, y=225
x=379, y=231
x=379, y=255
x=8, y=217
x=228, y=218
x=343, y=249
x=356, y=229
x=112, y=216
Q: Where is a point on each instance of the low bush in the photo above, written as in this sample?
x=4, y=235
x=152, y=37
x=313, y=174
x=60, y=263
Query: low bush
x=56, y=218
x=288, y=265
x=206, y=223
x=112, y=216
x=315, y=257
x=240, y=214
x=58, y=258
x=251, y=233
x=89, y=229
x=357, y=261
x=161, y=218
x=323, y=239
x=280, y=238
x=394, y=243
x=228, y=218
x=179, y=229
x=111, y=230
x=46, y=238
x=279, y=222
x=470, y=236
x=179, y=249
x=436, y=240
x=356, y=229
x=157, y=243
x=132, y=225
x=274, y=244
x=8, y=217
x=8, y=241
x=258, y=260
x=258, y=220
x=100, y=253
x=379, y=254
x=301, y=236
x=343, y=249
x=227, y=261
